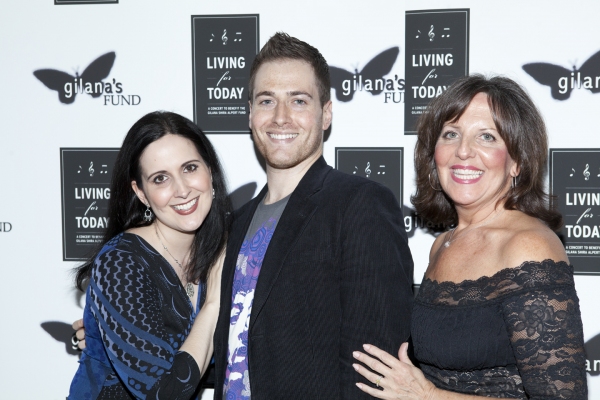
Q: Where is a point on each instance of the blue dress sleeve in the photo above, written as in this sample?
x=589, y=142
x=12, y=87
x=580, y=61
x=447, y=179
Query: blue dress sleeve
x=127, y=308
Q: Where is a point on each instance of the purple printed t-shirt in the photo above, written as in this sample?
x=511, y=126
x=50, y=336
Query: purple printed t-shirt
x=247, y=269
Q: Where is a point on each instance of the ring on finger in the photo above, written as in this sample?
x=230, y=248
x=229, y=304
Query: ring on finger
x=377, y=381
x=75, y=342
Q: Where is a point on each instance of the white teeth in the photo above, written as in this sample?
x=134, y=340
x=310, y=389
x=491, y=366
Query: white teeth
x=466, y=174
x=279, y=136
x=186, y=206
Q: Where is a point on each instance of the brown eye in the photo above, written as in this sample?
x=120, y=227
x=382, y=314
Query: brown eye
x=159, y=179
x=190, y=168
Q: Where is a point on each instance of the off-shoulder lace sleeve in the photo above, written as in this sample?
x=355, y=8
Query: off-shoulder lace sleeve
x=546, y=333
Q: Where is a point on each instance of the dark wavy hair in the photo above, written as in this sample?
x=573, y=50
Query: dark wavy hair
x=282, y=46
x=520, y=125
x=125, y=211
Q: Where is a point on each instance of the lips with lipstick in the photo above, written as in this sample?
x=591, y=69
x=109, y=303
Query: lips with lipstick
x=465, y=174
x=186, y=208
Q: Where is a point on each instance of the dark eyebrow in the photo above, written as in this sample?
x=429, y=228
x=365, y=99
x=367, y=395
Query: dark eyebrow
x=300, y=93
x=292, y=93
x=183, y=165
x=264, y=93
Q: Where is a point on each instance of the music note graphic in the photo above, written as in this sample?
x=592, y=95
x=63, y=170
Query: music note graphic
x=431, y=34
x=379, y=172
x=354, y=172
x=224, y=37
x=586, y=172
x=79, y=170
x=419, y=33
x=446, y=35
x=91, y=168
x=598, y=174
x=572, y=169
x=368, y=169
x=104, y=171
x=236, y=39
x=213, y=36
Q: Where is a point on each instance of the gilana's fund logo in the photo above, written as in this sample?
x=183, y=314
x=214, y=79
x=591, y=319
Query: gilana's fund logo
x=91, y=82
x=562, y=80
x=371, y=78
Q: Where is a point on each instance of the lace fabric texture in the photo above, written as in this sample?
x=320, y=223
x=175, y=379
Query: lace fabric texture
x=516, y=334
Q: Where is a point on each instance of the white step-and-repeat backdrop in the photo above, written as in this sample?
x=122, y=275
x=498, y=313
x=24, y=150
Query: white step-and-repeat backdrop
x=76, y=74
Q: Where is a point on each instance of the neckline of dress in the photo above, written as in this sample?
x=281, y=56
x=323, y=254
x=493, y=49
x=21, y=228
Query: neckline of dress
x=501, y=272
x=195, y=309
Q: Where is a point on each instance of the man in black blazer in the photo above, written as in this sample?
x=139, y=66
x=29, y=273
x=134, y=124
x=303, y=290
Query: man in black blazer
x=318, y=263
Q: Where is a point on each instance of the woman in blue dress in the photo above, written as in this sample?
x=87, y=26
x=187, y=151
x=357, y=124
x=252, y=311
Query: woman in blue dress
x=153, y=294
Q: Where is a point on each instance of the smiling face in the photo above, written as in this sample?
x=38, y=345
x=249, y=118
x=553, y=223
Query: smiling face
x=471, y=158
x=286, y=116
x=176, y=183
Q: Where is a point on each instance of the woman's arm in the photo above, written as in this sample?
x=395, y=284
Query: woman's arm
x=129, y=311
x=199, y=344
x=546, y=334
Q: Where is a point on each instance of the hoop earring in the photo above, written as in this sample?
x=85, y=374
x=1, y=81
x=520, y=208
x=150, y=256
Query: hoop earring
x=430, y=184
x=213, y=193
x=513, y=183
x=148, y=214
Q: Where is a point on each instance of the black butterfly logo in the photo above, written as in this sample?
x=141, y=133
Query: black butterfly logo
x=551, y=75
x=377, y=68
x=61, y=332
x=94, y=73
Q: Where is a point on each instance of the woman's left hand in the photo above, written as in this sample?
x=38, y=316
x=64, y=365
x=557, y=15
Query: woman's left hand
x=396, y=378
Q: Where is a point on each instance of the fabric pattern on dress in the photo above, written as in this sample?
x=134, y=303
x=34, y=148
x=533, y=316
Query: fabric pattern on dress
x=137, y=316
x=516, y=334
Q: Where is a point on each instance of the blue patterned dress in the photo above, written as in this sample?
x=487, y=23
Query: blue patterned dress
x=137, y=316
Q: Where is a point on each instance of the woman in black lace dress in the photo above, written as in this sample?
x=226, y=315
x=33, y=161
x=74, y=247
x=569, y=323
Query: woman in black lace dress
x=497, y=314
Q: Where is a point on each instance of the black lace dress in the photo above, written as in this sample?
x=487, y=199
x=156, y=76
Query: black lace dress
x=516, y=334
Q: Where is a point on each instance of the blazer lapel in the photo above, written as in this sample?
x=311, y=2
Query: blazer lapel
x=295, y=217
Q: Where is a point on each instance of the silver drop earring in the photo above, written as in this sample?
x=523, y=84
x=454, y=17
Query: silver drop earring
x=213, y=193
x=148, y=214
x=513, y=183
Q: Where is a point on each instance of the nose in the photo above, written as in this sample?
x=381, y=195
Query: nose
x=180, y=187
x=282, y=114
x=465, y=149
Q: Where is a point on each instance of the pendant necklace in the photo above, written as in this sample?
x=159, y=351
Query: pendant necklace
x=485, y=222
x=189, y=288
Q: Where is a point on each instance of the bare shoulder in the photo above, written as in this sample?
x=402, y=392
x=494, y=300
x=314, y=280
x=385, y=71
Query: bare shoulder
x=531, y=240
x=435, y=247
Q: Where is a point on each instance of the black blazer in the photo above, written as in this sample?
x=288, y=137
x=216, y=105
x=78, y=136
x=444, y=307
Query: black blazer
x=337, y=273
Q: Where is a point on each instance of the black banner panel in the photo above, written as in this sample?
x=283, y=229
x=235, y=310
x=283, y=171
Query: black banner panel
x=58, y=2
x=381, y=164
x=85, y=182
x=437, y=52
x=575, y=181
x=223, y=49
